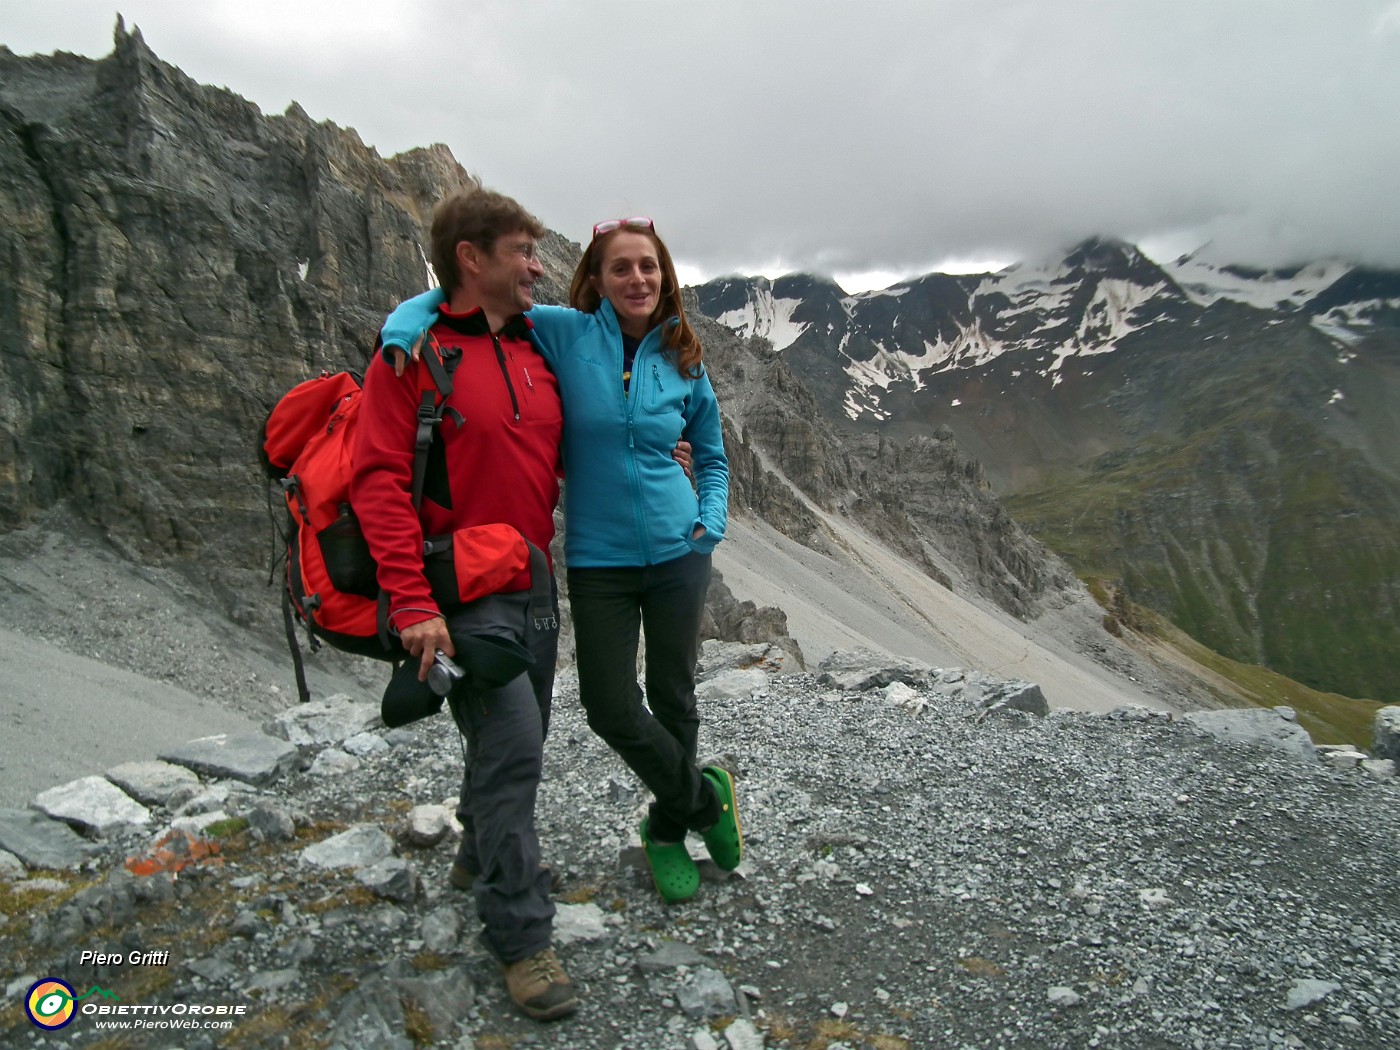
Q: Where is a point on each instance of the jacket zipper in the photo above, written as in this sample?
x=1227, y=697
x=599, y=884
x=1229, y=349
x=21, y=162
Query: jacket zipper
x=629, y=408
x=505, y=374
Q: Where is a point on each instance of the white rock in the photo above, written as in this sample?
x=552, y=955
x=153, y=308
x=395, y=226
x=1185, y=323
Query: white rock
x=358, y=847
x=11, y=867
x=1380, y=768
x=575, y=923
x=196, y=823
x=742, y=1035
x=365, y=744
x=428, y=825
x=93, y=804
x=732, y=685
x=1385, y=733
x=897, y=694
x=1343, y=759
x=332, y=761
x=1303, y=993
x=153, y=783
x=320, y=722
x=1062, y=996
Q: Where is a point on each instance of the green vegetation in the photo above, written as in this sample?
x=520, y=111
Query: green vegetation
x=225, y=829
x=1329, y=718
x=1260, y=539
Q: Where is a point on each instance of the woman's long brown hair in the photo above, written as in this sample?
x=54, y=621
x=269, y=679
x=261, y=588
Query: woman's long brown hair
x=679, y=338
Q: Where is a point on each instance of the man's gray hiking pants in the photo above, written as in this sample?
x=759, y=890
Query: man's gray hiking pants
x=505, y=730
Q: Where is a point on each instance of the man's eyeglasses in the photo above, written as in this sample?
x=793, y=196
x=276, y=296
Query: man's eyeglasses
x=637, y=222
x=529, y=251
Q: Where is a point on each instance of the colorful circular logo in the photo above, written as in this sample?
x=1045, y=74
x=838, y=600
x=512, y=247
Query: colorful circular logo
x=50, y=1003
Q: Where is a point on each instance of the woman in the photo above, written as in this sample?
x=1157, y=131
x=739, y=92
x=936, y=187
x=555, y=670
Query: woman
x=637, y=536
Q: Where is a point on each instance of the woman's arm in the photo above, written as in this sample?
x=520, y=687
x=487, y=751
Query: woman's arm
x=556, y=328
x=710, y=464
x=405, y=326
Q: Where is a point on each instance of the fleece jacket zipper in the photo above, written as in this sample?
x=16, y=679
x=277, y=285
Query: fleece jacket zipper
x=505, y=374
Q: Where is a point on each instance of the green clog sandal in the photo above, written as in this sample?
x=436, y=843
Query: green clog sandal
x=725, y=839
x=676, y=876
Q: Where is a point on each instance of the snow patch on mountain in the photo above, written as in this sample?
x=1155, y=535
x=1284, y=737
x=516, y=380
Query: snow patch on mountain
x=1109, y=315
x=1206, y=283
x=766, y=317
x=1336, y=325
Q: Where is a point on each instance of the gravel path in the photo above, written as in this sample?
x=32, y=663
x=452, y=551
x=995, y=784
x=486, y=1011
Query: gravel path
x=919, y=875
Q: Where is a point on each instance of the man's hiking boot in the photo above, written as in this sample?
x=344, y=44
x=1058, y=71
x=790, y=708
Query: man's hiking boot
x=540, y=987
x=724, y=839
x=672, y=869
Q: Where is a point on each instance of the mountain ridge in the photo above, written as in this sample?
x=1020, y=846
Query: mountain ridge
x=1101, y=390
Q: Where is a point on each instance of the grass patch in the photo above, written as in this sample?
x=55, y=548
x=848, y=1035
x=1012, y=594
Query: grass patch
x=321, y=829
x=981, y=967
x=299, y=1025
x=430, y=962
x=778, y=1028
x=349, y=897
x=20, y=904
x=581, y=895
x=271, y=1026
x=227, y=829
x=418, y=1025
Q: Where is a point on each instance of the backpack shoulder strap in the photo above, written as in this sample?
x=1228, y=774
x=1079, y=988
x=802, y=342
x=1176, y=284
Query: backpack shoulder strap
x=432, y=403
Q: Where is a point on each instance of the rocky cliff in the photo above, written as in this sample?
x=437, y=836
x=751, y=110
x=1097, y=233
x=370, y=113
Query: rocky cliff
x=175, y=261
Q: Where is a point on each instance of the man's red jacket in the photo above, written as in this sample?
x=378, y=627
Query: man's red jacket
x=499, y=464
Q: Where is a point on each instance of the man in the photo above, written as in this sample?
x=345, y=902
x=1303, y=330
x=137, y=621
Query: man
x=494, y=460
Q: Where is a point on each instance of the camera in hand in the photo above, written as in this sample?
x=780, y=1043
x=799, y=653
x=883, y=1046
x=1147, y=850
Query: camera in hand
x=443, y=674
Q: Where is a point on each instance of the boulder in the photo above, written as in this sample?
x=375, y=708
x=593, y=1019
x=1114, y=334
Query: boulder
x=155, y=783
x=357, y=847
x=1385, y=734
x=40, y=842
x=321, y=722
x=254, y=758
x=1257, y=727
x=93, y=805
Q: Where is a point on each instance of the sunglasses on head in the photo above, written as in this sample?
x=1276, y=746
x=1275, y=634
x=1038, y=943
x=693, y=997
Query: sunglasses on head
x=637, y=222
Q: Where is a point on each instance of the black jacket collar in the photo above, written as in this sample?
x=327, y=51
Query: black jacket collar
x=475, y=323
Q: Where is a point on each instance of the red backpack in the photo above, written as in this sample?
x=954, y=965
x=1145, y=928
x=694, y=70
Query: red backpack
x=330, y=582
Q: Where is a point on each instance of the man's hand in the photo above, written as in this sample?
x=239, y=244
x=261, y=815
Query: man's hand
x=681, y=454
x=424, y=639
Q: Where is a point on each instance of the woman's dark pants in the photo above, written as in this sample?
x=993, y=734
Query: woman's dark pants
x=665, y=602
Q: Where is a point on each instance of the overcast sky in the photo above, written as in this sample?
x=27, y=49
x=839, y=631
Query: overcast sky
x=865, y=138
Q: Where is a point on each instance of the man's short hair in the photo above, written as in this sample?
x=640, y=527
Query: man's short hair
x=479, y=216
